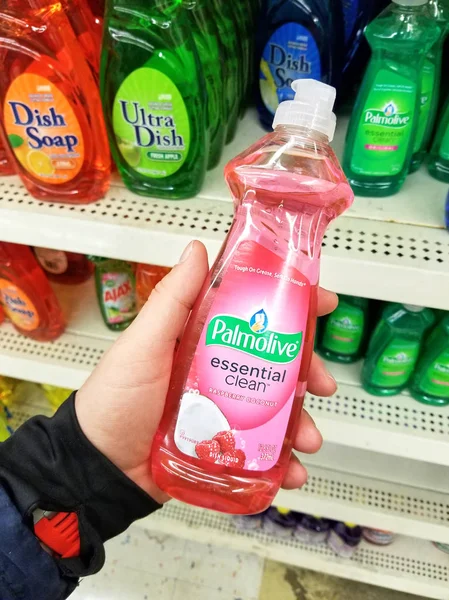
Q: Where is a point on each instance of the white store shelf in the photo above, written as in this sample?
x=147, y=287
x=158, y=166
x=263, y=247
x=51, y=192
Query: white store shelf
x=409, y=565
x=381, y=249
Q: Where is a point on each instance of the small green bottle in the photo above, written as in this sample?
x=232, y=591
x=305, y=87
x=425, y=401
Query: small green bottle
x=233, y=85
x=344, y=330
x=385, y=118
x=205, y=33
x=394, y=348
x=430, y=84
x=154, y=99
x=438, y=164
x=430, y=383
x=115, y=282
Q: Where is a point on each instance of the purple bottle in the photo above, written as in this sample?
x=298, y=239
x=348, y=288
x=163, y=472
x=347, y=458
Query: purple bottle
x=344, y=539
x=280, y=522
x=312, y=529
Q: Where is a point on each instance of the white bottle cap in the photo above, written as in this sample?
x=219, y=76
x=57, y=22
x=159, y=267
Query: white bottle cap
x=311, y=108
x=411, y=2
x=413, y=308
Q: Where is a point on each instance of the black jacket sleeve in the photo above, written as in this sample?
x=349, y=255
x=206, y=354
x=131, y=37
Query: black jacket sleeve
x=49, y=463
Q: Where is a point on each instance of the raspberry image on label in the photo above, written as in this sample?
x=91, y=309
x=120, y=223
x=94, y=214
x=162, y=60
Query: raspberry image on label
x=226, y=440
x=208, y=450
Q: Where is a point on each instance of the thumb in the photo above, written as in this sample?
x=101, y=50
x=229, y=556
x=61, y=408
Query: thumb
x=162, y=319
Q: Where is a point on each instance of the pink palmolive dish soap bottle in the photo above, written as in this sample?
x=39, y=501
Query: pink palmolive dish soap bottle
x=226, y=435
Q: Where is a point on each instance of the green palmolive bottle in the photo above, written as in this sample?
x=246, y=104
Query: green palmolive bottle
x=383, y=125
x=154, y=99
x=205, y=33
x=344, y=330
x=438, y=164
x=116, y=291
x=430, y=84
x=394, y=348
x=233, y=84
x=430, y=383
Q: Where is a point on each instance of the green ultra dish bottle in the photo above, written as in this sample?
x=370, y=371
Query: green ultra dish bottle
x=384, y=121
x=430, y=84
x=344, y=330
x=394, y=348
x=233, y=85
x=438, y=164
x=430, y=383
x=154, y=99
x=208, y=44
x=115, y=282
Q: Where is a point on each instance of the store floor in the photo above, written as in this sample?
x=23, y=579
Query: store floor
x=142, y=565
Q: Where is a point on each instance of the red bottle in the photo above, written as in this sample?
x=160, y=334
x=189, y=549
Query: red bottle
x=26, y=296
x=64, y=267
x=51, y=116
x=147, y=277
x=6, y=167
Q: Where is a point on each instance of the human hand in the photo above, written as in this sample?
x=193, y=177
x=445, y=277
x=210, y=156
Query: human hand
x=120, y=405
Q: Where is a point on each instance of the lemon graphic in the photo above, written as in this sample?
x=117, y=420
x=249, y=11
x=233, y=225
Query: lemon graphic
x=268, y=89
x=129, y=152
x=39, y=163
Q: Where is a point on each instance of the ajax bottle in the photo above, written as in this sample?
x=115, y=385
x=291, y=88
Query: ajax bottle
x=154, y=100
x=297, y=41
x=48, y=93
x=26, y=296
x=383, y=125
x=225, y=438
x=430, y=84
x=64, y=267
x=208, y=44
x=394, y=348
x=344, y=330
x=438, y=164
x=116, y=291
x=430, y=383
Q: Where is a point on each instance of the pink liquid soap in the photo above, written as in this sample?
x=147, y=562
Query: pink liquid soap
x=226, y=436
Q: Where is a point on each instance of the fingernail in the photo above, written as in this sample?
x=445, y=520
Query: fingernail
x=187, y=252
x=331, y=377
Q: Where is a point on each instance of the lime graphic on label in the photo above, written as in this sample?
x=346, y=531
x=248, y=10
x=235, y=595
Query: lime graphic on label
x=151, y=123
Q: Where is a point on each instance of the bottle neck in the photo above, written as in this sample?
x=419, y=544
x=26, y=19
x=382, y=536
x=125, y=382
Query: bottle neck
x=304, y=132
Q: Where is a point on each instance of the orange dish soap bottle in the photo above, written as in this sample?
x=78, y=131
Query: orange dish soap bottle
x=51, y=111
x=26, y=296
x=147, y=278
x=64, y=267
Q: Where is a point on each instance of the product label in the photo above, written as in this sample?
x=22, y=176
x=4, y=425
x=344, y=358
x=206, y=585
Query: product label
x=52, y=261
x=18, y=307
x=396, y=364
x=241, y=386
x=350, y=13
x=151, y=123
x=344, y=330
x=444, y=148
x=291, y=53
x=43, y=130
x=386, y=125
x=436, y=379
x=427, y=91
x=119, y=297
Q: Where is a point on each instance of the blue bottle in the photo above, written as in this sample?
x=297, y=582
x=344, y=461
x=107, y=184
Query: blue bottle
x=297, y=39
x=356, y=16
